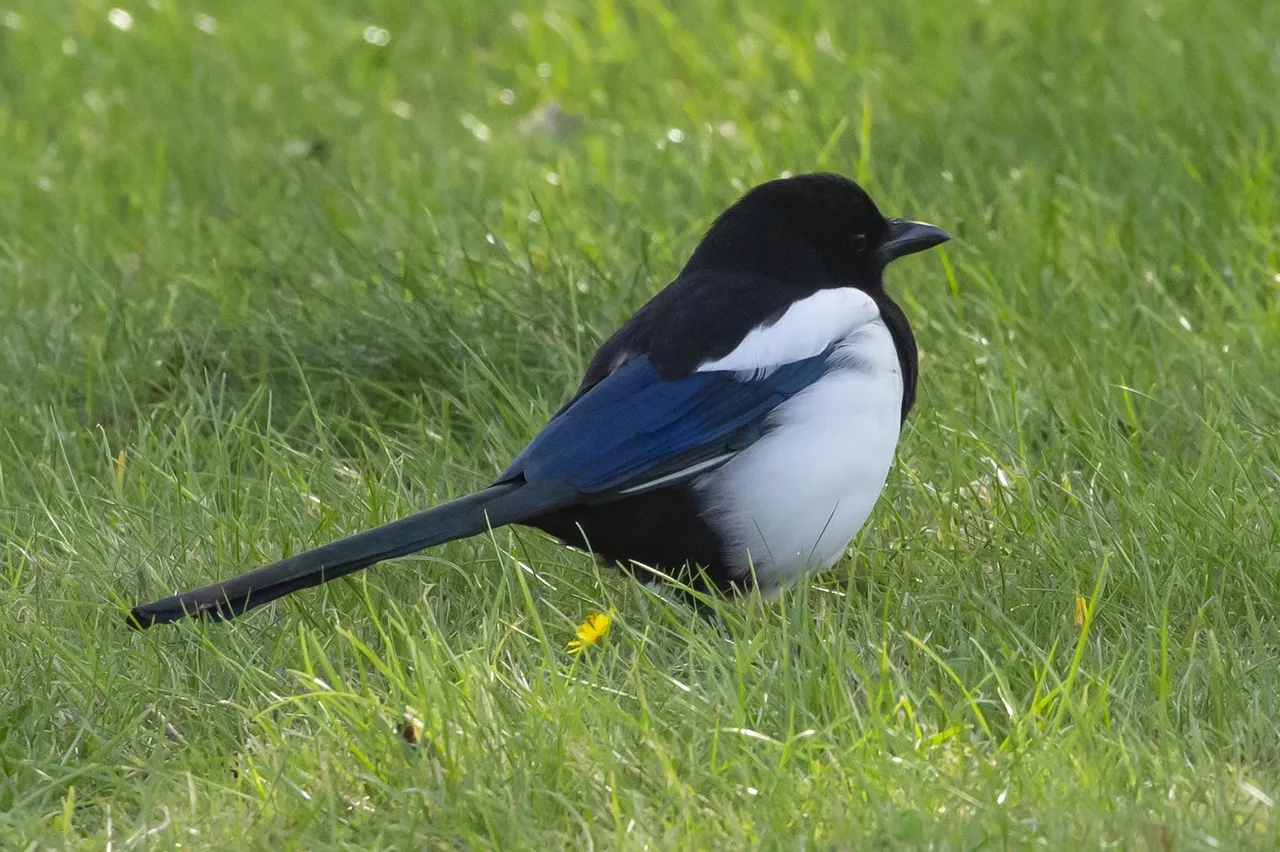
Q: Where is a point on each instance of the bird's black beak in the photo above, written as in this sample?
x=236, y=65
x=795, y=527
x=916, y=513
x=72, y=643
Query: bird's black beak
x=905, y=237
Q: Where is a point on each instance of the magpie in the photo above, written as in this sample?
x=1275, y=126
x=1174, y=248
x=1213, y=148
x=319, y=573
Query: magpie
x=735, y=432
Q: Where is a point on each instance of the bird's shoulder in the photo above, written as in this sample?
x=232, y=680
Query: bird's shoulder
x=699, y=317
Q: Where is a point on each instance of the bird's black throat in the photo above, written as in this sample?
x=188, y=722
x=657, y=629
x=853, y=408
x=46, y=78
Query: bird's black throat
x=905, y=342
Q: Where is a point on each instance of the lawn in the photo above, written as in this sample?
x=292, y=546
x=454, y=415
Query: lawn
x=273, y=272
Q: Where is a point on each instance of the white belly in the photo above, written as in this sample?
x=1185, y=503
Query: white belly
x=791, y=503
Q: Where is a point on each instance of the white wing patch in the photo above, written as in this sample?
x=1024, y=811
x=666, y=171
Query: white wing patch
x=679, y=474
x=805, y=329
x=620, y=360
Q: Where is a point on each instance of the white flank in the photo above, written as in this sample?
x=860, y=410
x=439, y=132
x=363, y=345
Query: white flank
x=807, y=328
x=791, y=502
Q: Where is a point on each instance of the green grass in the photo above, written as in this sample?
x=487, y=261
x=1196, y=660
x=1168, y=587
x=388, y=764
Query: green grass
x=269, y=285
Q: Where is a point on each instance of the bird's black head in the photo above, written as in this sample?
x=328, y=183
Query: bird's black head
x=816, y=230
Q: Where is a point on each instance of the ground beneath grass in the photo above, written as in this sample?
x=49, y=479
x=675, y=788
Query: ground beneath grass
x=273, y=272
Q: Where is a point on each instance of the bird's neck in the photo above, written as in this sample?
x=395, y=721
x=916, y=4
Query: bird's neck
x=761, y=251
x=905, y=342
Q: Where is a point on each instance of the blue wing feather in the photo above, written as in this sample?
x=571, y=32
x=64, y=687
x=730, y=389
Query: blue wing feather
x=634, y=426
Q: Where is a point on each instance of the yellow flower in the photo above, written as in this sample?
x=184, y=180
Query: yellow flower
x=1082, y=609
x=591, y=631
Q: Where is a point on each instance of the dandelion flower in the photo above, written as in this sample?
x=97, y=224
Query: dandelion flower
x=410, y=730
x=591, y=631
x=1082, y=609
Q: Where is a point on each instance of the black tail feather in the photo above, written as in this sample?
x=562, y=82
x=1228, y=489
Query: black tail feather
x=471, y=515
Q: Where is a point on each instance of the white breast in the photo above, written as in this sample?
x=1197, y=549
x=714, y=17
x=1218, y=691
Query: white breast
x=792, y=502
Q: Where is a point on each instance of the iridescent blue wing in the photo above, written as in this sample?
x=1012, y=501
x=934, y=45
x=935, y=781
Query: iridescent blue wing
x=634, y=428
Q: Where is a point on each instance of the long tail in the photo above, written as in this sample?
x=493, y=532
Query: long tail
x=467, y=516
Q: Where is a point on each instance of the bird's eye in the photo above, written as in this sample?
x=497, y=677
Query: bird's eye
x=859, y=242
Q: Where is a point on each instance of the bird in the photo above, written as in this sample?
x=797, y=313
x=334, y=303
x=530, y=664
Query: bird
x=735, y=432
